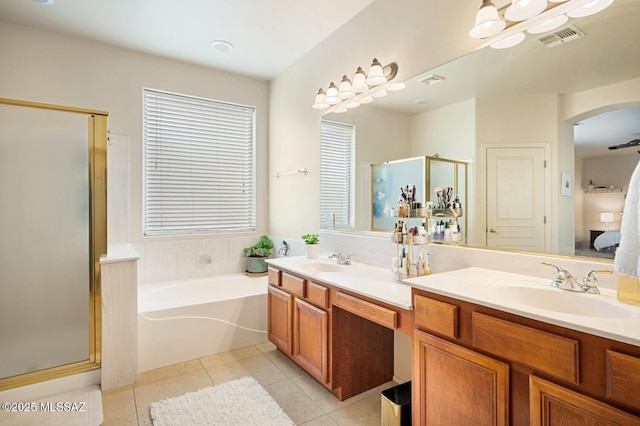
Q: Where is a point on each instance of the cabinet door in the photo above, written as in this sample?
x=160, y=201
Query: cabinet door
x=457, y=386
x=280, y=319
x=311, y=333
x=554, y=405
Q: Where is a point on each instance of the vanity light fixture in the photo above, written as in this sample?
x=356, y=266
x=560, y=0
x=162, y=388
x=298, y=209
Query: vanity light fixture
x=361, y=89
x=505, y=27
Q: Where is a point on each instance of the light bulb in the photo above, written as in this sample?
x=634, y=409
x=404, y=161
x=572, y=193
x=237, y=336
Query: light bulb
x=590, y=8
x=332, y=95
x=344, y=89
x=521, y=10
x=319, y=103
x=548, y=25
x=359, y=84
x=488, y=23
x=375, y=76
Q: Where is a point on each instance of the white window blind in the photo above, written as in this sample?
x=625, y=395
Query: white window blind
x=199, y=165
x=336, y=158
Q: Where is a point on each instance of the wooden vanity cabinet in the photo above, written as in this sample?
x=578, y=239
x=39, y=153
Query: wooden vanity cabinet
x=453, y=385
x=311, y=339
x=502, y=368
x=297, y=327
x=555, y=405
x=342, y=339
x=280, y=319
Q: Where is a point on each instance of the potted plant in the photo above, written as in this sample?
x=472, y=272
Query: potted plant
x=256, y=255
x=313, y=245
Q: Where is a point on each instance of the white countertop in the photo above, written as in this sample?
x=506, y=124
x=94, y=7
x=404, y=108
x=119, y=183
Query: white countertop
x=360, y=278
x=532, y=297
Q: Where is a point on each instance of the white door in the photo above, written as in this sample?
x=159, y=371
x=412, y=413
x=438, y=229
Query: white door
x=516, y=198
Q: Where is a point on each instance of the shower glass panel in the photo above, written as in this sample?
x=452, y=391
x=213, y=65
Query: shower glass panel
x=44, y=239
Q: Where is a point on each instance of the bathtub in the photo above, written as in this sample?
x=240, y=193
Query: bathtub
x=182, y=320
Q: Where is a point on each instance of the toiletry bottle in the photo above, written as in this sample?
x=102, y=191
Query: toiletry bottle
x=420, y=265
x=404, y=233
x=447, y=232
x=427, y=269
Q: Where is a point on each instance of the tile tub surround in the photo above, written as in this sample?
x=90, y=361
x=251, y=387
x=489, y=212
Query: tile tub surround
x=176, y=259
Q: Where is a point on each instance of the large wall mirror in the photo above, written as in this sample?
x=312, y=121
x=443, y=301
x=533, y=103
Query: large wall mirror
x=573, y=99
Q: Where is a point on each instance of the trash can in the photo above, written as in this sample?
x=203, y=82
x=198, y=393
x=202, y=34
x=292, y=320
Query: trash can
x=396, y=405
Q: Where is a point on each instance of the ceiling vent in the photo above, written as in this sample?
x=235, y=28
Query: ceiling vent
x=561, y=36
x=431, y=79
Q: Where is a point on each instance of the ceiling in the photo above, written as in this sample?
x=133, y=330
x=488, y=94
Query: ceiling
x=608, y=53
x=267, y=35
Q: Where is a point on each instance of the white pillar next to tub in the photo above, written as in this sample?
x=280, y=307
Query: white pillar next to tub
x=119, y=317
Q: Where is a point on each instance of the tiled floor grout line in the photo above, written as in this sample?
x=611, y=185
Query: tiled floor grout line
x=328, y=411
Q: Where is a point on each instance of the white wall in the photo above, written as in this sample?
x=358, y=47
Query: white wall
x=606, y=171
x=47, y=67
x=381, y=135
x=387, y=30
x=578, y=106
x=450, y=132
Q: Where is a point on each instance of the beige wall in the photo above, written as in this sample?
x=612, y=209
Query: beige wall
x=381, y=135
x=450, y=132
x=46, y=67
x=581, y=105
x=418, y=35
x=606, y=171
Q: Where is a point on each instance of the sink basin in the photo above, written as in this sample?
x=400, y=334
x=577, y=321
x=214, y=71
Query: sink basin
x=562, y=301
x=319, y=266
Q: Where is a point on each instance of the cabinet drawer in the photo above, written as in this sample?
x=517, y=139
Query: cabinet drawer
x=293, y=284
x=274, y=276
x=555, y=355
x=623, y=378
x=371, y=311
x=317, y=295
x=436, y=316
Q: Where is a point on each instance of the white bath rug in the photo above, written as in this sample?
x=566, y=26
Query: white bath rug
x=238, y=402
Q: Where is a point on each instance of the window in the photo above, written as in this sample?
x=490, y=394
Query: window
x=336, y=170
x=199, y=165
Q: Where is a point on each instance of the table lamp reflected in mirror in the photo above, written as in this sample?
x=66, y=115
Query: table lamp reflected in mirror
x=606, y=218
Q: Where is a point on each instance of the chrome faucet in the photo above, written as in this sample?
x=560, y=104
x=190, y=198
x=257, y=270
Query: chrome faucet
x=590, y=283
x=563, y=279
x=284, y=248
x=342, y=259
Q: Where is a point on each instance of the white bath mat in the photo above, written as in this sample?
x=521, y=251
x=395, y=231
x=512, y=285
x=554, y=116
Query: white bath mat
x=238, y=402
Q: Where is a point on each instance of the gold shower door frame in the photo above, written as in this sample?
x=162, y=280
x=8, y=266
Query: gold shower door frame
x=97, y=129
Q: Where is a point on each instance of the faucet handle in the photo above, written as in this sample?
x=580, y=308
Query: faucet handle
x=589, y=283
x=559, y=275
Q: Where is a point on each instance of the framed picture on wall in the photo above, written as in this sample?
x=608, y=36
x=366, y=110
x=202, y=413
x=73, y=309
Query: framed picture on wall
x=567, y=184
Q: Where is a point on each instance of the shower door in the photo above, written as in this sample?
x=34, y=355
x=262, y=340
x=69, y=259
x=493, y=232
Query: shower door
x=47, y=281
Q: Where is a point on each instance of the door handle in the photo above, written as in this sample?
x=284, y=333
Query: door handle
x=493, y=231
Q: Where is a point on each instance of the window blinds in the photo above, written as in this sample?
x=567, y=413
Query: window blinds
x=336, y=149
x=199, y=165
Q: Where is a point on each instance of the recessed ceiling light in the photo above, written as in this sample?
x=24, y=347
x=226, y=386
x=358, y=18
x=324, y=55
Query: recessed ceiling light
x=222, y=45
x=43, y=1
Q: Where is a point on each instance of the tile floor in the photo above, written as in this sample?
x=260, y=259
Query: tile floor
x=304, y=400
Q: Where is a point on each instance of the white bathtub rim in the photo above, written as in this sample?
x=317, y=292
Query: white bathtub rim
x=256, y=286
